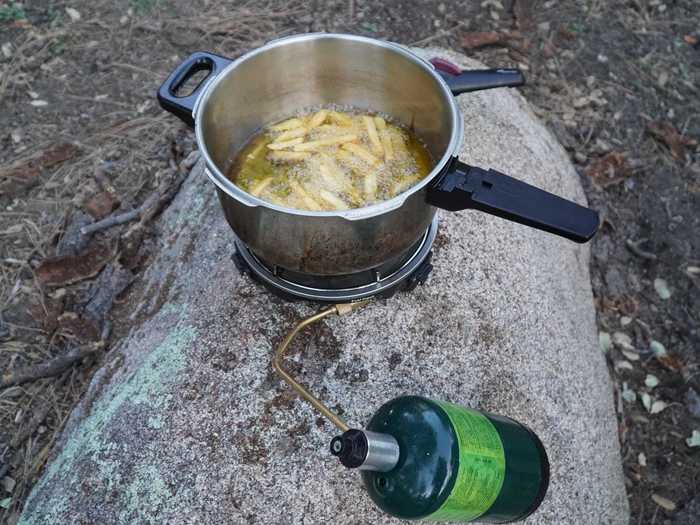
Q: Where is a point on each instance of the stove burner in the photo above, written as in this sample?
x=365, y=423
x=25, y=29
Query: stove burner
x=403, y=273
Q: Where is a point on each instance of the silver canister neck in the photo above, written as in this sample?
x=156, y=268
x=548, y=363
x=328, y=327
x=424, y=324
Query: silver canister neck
x=366, y=450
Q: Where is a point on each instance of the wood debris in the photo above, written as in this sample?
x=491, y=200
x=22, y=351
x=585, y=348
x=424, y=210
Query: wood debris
x=669, y=135
x=67, y=269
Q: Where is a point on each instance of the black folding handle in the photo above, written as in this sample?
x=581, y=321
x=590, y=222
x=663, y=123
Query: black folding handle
x=463, y=81
x=463, y=186
x=182, y=107
x=478, y=79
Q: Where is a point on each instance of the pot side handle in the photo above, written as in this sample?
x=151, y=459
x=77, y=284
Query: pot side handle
x=468, y=187
x=465, y=81
x=182, y=106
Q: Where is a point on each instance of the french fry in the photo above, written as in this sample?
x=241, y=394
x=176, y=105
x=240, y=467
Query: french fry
x=339, y=118
x=403, y=185
x=275, y=199
x=285, y=144
x=370, y=185
x=256, y=150
x=361, y=152
x=345, y=157
x=316, y=144
x=259, y=187
x=388, y=147
x=288, y=156
x=375, y=143
x=325, y=131
x=335, y=177
x=332, y=127
x=333, y=200
x=318, y=118
x=399, y=145
x=380, y=123
x=285, y=125
x=291, y=134
x=304, y=195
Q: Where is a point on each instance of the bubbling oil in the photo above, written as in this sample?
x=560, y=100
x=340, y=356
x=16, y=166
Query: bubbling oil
x=328, y=160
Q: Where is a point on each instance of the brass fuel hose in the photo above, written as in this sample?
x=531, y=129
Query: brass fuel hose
x=338, y=309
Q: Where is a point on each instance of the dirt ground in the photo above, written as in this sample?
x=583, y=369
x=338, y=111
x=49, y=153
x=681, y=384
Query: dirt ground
x=82, y=137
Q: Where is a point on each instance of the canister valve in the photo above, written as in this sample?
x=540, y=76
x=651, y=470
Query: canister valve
x=366, y=450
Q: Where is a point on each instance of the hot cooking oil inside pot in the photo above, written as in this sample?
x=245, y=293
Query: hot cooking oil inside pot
x=328, y=160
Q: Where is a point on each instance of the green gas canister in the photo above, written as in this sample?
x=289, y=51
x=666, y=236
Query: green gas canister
x=432, y=460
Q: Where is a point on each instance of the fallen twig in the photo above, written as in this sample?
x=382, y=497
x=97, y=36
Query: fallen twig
x=113, y=220
x=634, y=247
x=150, y=207
x=162, y=199
x=50, y=368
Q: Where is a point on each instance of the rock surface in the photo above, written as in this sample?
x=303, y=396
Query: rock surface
x=185, y=423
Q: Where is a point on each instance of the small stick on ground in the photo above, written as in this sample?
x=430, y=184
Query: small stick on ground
x=634, y=247
x=112, y=220
x=150, y=207
x=50, y=368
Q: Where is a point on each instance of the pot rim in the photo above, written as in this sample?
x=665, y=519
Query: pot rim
x=230, y=189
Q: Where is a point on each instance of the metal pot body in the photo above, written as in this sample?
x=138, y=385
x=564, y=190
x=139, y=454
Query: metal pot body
x=308, y=71
x=327, y=245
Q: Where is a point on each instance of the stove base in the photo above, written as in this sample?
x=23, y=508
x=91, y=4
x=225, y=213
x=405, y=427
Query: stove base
x=381, y=282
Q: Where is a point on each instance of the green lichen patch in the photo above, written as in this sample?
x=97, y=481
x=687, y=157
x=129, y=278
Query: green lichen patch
x=87, y=452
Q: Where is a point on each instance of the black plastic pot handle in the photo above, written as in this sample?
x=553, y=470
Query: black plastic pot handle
x=182, y=107
x=478, y=79
x=463, y=186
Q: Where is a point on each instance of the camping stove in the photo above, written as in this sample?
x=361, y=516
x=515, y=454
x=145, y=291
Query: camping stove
x=402, y=273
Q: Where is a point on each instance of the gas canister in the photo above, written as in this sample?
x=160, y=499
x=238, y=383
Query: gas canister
x=432, y=460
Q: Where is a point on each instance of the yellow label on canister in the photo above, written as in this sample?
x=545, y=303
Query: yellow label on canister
x=482, y=466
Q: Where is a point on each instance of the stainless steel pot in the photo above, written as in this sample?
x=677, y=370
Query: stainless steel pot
x=239, y=97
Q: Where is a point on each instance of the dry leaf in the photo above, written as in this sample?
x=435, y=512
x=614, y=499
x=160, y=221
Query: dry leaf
x=79, y=327
x=632, y=356
x=101, y=204
x=663, y=357
x=661, y=287
x=651, y=381
x=22, y=175
x=690, y=39
x=477, y=39
x=47, y=312
x=627, y=394
x=67, y=269
x=623, y=340
x=610, y=169
x=663, y=502
x=669, y=135
x=625, y=304
x=657, y=406
x=623, y=365
x=694, y=439
x=73, y=14
x=522, y=12
x=670, y=362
